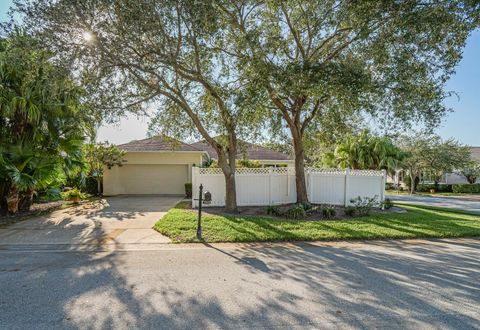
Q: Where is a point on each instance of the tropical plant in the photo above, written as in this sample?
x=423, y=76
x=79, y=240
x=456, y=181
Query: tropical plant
x=365, y=151
x=364, y=205
x=42, y=124
x=328, y=211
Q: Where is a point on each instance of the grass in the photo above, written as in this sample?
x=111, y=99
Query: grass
x=419, y=222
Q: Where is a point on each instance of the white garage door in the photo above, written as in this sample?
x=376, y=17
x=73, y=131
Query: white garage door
x=154, y=179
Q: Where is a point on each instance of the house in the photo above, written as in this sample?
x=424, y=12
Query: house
x=449, y=178
x=456, y=177
x=159, y=165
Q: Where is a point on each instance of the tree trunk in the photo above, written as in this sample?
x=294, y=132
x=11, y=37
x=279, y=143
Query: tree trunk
x=228, y=169
x=12, y=199
x=26, y=200
x=300, y=181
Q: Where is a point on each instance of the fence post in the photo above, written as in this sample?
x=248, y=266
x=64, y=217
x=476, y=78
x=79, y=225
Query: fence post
x=270, y=173
x=310, y=185
x=347, y=186
x=195, y=172
x=382, y=188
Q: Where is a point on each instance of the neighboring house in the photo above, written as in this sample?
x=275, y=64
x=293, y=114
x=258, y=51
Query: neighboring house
x=160, y=166
x=246, y=150
x=453, y=178
x=449, y=178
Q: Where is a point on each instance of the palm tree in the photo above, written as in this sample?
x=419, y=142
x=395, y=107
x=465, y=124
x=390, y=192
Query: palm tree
x=42, y=123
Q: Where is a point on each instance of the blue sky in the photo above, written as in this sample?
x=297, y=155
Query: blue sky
x=462, y=124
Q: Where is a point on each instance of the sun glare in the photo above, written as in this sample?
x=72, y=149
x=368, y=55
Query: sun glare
x=88, y=36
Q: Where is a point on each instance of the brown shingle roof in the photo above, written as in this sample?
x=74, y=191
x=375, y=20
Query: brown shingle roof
x=157, y=143
x=475, y=153
x=246, y=150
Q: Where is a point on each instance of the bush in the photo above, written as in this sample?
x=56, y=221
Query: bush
x=329, y=211
x=188, y=190
x=466, y=188
x=364, y=205
x=91, y=185
x=296, y=212
x=387, y=203
x=441, y=187
x=273, y=210
x=350, y=211
x=74, y=195
x=306, y=206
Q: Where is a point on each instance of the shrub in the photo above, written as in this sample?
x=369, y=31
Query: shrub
x=306, y=206
x=188, y=190
x=441, y=187
x=273, y=210
x=350, y=211
x=466, y=188
x=387, y=203
x=329, y=211
x=364, y=205
x=91, y=185
x=74, y=195
x=296, y=212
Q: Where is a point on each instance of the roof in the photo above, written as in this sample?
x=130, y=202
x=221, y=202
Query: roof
x=157, y=143
x=246, y=150
x=475, y=151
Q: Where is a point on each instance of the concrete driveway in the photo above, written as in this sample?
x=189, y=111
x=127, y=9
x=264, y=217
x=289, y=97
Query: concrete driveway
x=471, y=204
x=116, y=220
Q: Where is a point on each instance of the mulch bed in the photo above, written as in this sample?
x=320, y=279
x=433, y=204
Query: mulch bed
x=35, y=210
x=313, y=215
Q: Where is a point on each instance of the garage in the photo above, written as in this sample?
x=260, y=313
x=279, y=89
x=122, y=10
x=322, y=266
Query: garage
x=152, y=166
x=153, y=179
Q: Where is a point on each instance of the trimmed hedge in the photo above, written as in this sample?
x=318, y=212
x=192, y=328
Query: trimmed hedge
x=466, y=188
x=441, y=187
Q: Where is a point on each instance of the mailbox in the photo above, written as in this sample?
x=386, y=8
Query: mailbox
x=207, y=198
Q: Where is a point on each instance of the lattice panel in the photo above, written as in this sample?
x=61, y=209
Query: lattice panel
x=335, y=171
x=210, y=170
x=366, y=173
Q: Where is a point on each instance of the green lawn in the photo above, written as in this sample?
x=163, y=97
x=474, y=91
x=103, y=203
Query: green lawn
x=180, y=225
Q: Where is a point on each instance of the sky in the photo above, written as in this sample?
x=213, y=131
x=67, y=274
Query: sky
x=461, y=124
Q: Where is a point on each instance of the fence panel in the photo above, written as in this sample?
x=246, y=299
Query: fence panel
x=267, y=186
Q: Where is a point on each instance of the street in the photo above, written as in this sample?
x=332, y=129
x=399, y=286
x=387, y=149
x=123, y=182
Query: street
x=378, y=284
x=468, y=203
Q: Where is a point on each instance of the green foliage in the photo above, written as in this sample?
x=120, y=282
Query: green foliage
x=273, y=210
x=425, y=187
x=387, y=203
x=307, y=206
x=365, y=151
x=99, y=156
x=74, y=194
x=350, y=211
x=328, y=211
x=248, y=163
x=296, y=212
x=364, y=205
x=466, y=188
x=471, y=171
x=42, y=121
x=188, y=190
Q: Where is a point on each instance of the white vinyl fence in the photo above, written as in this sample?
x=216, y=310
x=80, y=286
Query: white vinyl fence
x=268, y=186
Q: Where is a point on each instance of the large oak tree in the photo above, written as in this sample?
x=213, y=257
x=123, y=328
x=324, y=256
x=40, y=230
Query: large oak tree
x=386, y=60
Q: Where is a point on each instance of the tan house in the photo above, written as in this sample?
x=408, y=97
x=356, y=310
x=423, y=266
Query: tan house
x=159, y=166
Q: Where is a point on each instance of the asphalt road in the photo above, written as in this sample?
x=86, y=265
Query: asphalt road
x=389, y=284
x=471, y=204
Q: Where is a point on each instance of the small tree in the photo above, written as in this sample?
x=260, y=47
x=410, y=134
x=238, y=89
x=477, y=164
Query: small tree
x=471, y=171
x=100, y=156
